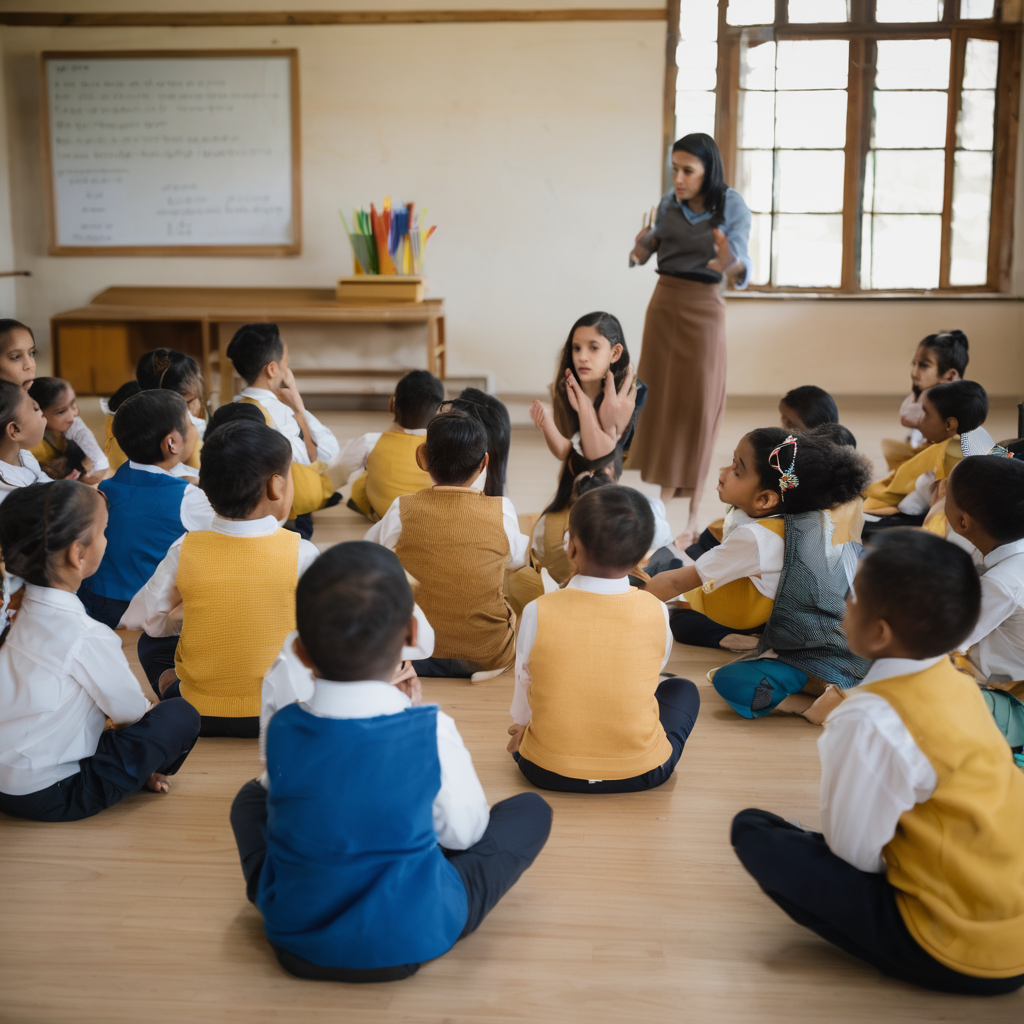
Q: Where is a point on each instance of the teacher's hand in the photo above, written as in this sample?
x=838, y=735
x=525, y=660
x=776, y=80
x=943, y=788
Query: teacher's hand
x=642, y=253
x=724, y=262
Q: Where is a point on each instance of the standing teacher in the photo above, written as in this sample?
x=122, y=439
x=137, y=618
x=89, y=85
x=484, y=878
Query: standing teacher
x=700, y=235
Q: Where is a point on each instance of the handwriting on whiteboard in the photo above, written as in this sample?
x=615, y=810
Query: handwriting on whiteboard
x=165, y=151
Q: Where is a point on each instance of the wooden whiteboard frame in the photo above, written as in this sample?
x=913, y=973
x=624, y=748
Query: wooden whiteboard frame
x=171, y=250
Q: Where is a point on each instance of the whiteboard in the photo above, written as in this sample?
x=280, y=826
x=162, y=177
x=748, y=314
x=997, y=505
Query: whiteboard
x=172, y=153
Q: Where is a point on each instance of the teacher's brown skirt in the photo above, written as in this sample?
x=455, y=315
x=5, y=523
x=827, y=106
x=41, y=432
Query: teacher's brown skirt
x=683, y=365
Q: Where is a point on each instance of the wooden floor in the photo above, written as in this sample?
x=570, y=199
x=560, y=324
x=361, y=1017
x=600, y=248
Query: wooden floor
x=637, y=909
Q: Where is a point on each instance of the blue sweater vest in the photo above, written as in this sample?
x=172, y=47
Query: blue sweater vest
x=145, y=520
x=354, y=876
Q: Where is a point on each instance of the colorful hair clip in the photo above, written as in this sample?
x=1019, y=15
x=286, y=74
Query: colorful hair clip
x=787, y=478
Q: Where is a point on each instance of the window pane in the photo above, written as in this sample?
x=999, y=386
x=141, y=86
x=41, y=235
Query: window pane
x=811, y=120
x=754, y=176
x=909, y=120
x=977, y=8
x=697, y=63
x=905, y=251
x=698, y=19
x=813, y=64
x=760, y=247
x=865, y=251
x=981, y=64
x=808, y=250
x=695, y=112
x=912, y=64
x=804, y=11
x=908, y=10
x=972, y=208
x=757, y=120
x=757, y=68
x=750, y=12
x=908, y=181
x=810, y=181
x=976, y=124
x=869, y=183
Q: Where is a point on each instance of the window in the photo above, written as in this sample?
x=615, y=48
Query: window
x=868, y=137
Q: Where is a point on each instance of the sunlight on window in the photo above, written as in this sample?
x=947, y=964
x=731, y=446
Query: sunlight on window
x=749, y=12
x=810, y=11
x=697, y=60
x=977, y=8
x=908, y=10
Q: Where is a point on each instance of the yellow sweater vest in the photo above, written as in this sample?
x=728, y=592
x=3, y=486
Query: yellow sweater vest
x=51, y=447
x=454, y=543
x=957, y=860
x=737, y=604
x=391, y=471
x=555, y=560
x=937, y=458
x=238, y=596
x=594, y=668
x=312, y=486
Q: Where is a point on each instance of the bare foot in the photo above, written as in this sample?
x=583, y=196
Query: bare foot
x=167, y=679
x=158, y=783
x=686, y=538
x=824, y=705
x=738, y=642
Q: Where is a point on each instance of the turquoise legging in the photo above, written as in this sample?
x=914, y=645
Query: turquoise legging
x=754, y=688
x=1008, y=713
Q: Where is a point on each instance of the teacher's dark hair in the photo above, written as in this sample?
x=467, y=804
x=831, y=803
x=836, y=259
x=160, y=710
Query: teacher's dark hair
x=705, y=149
x=566, y=418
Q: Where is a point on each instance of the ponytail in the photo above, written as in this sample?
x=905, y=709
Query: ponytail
x=574, y=465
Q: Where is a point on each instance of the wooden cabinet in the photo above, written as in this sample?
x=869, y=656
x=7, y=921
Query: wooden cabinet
x=94, y=358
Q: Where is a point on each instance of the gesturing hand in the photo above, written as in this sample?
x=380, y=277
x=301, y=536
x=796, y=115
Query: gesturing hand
x=641, y=253
x=617, y=407
x=724, y=258
x=578, y=398
x=538, y=413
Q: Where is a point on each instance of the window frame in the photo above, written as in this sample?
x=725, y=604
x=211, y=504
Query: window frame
x=862, y=32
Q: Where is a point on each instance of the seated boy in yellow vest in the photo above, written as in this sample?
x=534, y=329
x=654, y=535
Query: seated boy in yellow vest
x=950, y=412
x=457, y=542
x=919, y=868
x=590, y=712
x=229, y=591
x=390, y=458
x=260, y=357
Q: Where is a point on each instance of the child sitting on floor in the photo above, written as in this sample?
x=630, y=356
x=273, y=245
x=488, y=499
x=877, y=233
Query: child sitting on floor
x=786, y=565
x=590, y=712
x=230, y=589
x=372, y=848
x=919, y=868
x=985, y=505
x=457, y=543
x=17, y=353
x=807, y=407
x=953, y=415
x=62, y=674
x=389, y=459
x=260, y=357
x=494, y=418
x=22, y=425
x=150, y=507
x=68, y=449
x=939, y=359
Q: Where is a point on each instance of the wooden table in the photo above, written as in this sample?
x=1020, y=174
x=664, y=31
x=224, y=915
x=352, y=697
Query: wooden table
x=96, y=347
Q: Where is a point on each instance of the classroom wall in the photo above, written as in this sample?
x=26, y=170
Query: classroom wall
x=535, y=147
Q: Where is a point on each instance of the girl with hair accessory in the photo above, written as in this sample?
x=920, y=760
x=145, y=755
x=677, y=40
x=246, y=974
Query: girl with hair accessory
x=63, y=675
x=68, y=449
x=784, y=569
x=595, y=396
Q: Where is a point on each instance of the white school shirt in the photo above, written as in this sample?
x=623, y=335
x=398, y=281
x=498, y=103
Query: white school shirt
x=663, y=534
x=461, y=814
x=200, y=425
x=286, y=423
x=389, y=529
x=998, y=638
x=196, y=511
x=25, y=473
x=872, y=771
x=62, y=674
x=520, y=710
x=157, y=608
x=919, y=500
x=749, y=550
x=83, y=437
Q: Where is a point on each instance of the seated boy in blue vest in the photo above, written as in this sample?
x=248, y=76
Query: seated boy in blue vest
x=372, y=848
x=919, y=868
x=149, y=506
x=229, y=590
x=390, y=458
x=590, y=712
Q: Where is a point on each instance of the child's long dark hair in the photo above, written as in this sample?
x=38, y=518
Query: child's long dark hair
x=492, y=414
x=170, y=369
x=8, y=327
x=829, y=474
x=39, y=522
x=566, y=418
x=47, y=391
x=573, y=466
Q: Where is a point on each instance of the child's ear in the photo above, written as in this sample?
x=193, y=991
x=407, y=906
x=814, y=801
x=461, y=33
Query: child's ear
x=171, y=445
x=487, y=459
x=950, y=375
x=391, y=405
x=412, y=632
x=572, y=549
x=303, y=655
x=616, y=353
x=75, y=555
x=766, y=500
x=421, y=458
x=276, y=486
x=952, y=426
